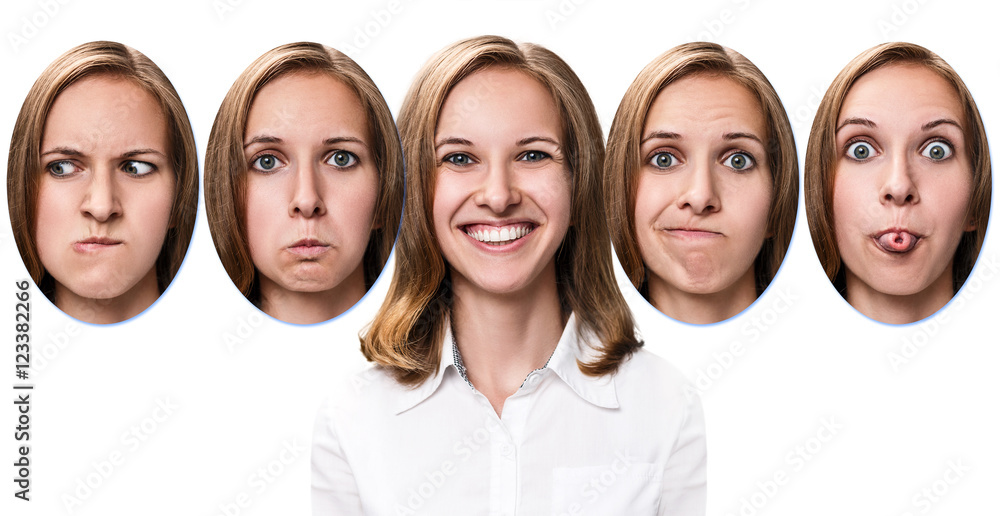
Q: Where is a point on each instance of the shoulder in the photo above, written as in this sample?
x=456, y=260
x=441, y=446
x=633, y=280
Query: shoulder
x=651, y=381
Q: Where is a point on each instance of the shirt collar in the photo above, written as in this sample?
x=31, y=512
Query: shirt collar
x=597, y=390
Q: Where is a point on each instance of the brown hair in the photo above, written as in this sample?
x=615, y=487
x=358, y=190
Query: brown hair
x=406, y=334
x=821, y=158
x=621, y=168
x=226, y=166
x=87, y=60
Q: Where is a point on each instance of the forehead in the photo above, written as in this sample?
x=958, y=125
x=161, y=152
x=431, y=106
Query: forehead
x=302, y=100
x=703, y=99
x=902, y=93
x=105, y=109
x=503, y=97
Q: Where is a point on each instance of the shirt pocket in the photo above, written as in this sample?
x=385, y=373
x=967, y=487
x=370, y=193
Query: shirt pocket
x=622, y=487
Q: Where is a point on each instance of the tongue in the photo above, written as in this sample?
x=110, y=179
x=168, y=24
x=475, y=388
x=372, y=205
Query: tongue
x=900, y=242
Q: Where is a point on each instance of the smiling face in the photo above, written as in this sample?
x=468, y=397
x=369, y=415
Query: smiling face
x=704, y=191
x=902, y=186
x=311, y=189
x=502, y=195
x=104, y=195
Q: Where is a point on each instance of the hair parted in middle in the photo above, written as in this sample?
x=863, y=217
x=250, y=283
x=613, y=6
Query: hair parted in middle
x=406, y=335
x=821, y=158
x=226, y=167
x=624, y=161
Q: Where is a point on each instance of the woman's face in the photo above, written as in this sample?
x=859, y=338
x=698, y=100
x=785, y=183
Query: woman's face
x=902, y=182
x=704, y=189
x=502, y=195
x=105, y=190
x=311, y=185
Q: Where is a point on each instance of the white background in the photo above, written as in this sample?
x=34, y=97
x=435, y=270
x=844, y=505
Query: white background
x=244, y=387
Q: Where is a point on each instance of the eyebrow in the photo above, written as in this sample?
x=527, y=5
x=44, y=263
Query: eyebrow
x=451, y=140
x=68, y=151
x=940, y=121
x=856, y=121
x=738, y=136
x=329, y=141
x=674, y=136
x=666, y=135
x=532, y=139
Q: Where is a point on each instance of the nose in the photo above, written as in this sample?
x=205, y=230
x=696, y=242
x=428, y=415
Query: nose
x=101, y=201
x=307, y=197
x=499, y=190
x=699, y=192
x=897, y=185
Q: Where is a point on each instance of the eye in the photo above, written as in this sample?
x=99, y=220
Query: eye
x=662, y=160
x=460, y=159
x=62, y=168
x=266, y=163
x=937, y=151
x=860, y=151
x=137, y=168
x=342, y=159
x=739, y=161
x=533, y=156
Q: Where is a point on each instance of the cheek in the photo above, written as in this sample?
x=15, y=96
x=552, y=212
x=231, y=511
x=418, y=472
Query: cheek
x=848, y=203
x=653, y=195
x=53, y=213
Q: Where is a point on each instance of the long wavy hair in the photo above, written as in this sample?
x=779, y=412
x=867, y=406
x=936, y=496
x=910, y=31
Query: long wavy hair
x=406, y=335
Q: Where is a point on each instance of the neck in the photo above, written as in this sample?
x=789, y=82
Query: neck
x=311, y=307
x=706, y=308
x=504, y=337
x=110, y=310
x=899, y=309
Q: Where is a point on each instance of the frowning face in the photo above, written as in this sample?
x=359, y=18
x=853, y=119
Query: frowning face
x=312, y=187
x=902, y=183
x=704, y=191
x=105, y=193
x=502, y=195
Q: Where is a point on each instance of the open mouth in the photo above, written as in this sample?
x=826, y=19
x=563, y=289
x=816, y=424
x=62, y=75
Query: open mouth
x=499, y=235
x=896, y=241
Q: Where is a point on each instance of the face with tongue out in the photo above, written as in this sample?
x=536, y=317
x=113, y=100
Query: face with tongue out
x=502, y=194
x=902, y=185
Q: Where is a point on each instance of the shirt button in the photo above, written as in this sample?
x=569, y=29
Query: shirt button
x=506, y=450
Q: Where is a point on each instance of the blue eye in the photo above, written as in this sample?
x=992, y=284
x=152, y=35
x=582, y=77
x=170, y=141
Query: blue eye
x=937, y=151
x=62, y=168
x=342, y=159
x=860, y=151
x=662, y=160
x=266, y=163
x=534, y=156
x=739, y=161
x=460, y=159
x=137, y=168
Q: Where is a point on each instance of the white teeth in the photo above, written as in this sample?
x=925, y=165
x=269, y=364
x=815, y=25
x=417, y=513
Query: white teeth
x=500, y=236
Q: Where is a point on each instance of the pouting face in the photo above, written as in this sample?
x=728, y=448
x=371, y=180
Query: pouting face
x=704, y=187
x=105, y=190
x=312, y=184
x=502, y=194
x=902, y=182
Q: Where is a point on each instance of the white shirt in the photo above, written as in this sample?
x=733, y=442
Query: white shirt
x=566, y=443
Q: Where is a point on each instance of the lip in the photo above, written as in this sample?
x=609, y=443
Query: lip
x=308, y=247
x=499, y=236
x=896, y=240
x=691, y=233
x=96, y=244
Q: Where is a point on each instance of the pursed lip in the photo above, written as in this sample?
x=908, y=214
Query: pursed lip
x=96, y=243
x=308, y=247
x=691, y=232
